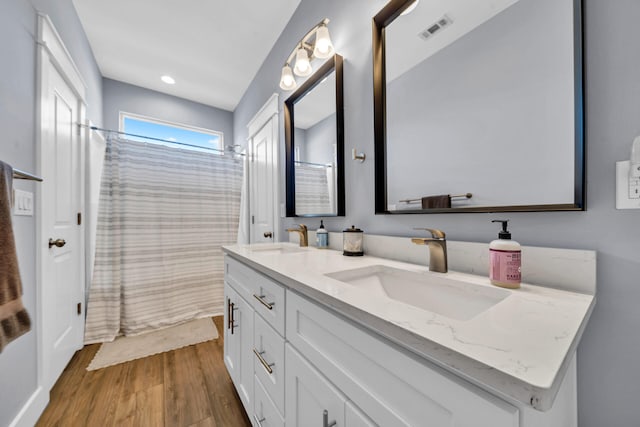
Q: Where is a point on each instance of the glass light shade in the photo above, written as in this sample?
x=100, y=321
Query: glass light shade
x=287, y=81
x=323, y=47
x=411, y=7
x=303, y=66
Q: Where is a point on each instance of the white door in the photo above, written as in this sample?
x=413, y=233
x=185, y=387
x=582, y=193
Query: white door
x=61, y=234
x=263, y=183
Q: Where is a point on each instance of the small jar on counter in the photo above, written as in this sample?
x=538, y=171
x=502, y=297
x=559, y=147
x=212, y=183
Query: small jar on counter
x=352, y=242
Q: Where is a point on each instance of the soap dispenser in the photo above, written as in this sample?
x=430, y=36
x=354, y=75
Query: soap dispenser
x=322, y=237
x=505, y=259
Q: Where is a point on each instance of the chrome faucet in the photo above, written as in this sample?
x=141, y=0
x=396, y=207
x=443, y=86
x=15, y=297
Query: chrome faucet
x=302, y=231
x=437, y=249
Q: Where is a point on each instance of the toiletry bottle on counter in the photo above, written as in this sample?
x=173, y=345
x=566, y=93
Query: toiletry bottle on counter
x=504, y=259
x=322, y=237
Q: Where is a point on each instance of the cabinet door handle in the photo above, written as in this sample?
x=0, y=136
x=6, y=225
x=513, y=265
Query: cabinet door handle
x=233, y=316
x=228, y=313
x=266, y=365
x=325, y=420
x=260, y=298
x=258, y=420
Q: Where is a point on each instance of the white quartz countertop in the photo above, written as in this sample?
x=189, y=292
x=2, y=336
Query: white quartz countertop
x=520, y=347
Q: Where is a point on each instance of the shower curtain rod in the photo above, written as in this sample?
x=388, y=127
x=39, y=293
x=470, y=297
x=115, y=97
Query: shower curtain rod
x=159, y=139
x=313, y=164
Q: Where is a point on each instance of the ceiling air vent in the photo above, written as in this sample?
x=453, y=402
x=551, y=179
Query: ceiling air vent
x=436, y=27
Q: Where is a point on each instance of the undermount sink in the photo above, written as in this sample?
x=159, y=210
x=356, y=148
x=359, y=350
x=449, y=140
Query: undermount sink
x=280, y=249
x=429, y=291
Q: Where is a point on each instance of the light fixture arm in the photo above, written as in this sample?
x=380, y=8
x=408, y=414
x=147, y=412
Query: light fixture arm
x=303, y=42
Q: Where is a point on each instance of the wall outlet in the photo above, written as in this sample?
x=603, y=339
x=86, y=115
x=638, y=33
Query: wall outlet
x=627, y=189
x=22, y=203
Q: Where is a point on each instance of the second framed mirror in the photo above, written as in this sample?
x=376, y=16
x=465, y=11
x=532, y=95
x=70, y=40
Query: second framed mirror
x=314, y=135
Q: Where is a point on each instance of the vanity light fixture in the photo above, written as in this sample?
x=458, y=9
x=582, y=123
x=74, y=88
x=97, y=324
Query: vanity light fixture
x=411, y=7
x=303, y=65
x=168, y=80
x=315, y=44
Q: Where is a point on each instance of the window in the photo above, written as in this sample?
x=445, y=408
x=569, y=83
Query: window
x=195, y=137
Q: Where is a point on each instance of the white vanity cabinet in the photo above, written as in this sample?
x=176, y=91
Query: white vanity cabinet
x=390, y=387
x=292, y=358
x=254, y=342
x=238, y=342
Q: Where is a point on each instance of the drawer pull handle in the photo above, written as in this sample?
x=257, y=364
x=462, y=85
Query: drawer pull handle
x=266, y=365
x=258, y=421
x=260, y=298
x=325, y=420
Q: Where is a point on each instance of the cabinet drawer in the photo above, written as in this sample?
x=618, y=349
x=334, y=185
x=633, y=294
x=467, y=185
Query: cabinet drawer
x=265, y=413
x=390, y=386
x=265, y=295
x=268, y=361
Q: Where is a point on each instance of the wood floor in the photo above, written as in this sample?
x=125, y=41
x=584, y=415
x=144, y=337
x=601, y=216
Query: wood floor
x=182, y=388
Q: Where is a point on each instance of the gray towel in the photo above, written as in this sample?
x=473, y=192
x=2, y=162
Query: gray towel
x=436, y=202
x=14, y=320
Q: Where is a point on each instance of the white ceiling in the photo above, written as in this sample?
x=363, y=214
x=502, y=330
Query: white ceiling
x=213, y=48
x=316, y=105
x=406, y=49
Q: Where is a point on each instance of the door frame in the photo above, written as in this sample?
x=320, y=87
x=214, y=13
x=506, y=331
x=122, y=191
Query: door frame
x=269, y=111
x=52, y=53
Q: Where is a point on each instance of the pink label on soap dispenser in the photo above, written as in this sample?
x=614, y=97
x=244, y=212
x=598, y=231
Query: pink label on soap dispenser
x=505, y=266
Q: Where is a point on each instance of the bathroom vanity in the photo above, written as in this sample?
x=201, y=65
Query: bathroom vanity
x=313, y=337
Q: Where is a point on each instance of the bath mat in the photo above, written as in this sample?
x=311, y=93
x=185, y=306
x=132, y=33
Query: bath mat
x=124, y=349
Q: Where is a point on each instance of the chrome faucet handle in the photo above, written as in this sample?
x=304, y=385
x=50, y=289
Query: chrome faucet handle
x=435, y=233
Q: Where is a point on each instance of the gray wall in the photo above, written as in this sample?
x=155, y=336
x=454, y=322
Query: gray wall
x=17, y=127
x=320, y=139
x=300, y=141
x=124, y=97
x=511, y=85
x=608, y=376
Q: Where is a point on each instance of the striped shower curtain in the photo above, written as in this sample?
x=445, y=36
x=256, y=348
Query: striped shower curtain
x=313, y=195
x=164, y=214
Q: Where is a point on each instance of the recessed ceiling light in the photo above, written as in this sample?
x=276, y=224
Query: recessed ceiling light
x=168, y=80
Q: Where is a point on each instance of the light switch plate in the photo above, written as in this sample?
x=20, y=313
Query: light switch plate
x=22, y=203
x=626, y=191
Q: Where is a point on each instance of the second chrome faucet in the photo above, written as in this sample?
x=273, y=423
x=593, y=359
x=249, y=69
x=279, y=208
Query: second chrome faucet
x=437, y=249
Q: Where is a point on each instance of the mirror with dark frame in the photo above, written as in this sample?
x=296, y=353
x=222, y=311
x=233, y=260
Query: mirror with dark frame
x=478, y=106
x=314, y=126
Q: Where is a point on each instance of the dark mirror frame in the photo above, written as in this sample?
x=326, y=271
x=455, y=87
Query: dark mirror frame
x=332, y=64
x=386, y=16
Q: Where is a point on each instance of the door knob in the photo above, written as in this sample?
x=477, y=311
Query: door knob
x=57, y=243
x=268, y=235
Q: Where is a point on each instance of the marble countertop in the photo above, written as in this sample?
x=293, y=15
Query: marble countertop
x=520, y=347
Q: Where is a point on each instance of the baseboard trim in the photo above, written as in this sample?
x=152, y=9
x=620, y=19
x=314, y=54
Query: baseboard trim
x=32, y=409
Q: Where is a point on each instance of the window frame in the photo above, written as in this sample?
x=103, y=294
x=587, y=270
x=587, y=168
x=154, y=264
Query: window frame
x=124, y=115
